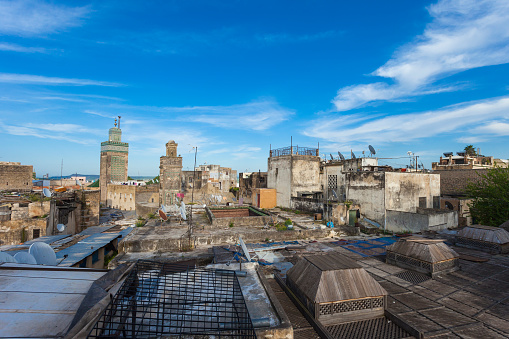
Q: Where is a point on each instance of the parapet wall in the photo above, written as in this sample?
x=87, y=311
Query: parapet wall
x=15, y=177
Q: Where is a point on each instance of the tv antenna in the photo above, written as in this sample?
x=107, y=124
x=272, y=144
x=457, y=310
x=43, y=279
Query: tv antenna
x=371, y=150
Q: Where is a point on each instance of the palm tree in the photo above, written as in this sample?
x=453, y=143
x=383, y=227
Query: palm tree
x=470, y=150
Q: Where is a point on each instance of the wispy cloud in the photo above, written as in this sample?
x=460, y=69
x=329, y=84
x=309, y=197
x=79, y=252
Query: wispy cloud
x=101, y=114
x=36, y=18
x=257, y=115
x=17, y=48
x=485, y=115
x=462, y=35
x=44, y=80
x=68, y=132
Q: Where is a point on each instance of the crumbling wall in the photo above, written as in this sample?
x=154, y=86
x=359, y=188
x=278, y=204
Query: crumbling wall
x=307, y=205
x=122, y=197
x=15, y=177
x=38, y=209
x=91, y=211
x=367, y=189
x=408, y=191
x=14, y=232
x=305, y=174
x=279, y=177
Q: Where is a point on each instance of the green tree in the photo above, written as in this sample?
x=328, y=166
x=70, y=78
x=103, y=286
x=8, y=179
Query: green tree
x=490, y=194
x=153, y=181
x=470, y=150
x=129, y=178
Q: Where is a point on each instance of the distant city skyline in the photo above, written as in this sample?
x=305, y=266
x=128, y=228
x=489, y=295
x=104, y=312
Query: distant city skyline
x=235, y=78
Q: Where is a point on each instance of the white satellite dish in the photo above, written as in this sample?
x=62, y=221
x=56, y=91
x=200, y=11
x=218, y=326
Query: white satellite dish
x=334, y=194
x=43, y=254
x=5, y=257
x=183, y=212
x=46, y=192
x=60, y=227
x=244, y=249
x=163, y=209
x=25, y=258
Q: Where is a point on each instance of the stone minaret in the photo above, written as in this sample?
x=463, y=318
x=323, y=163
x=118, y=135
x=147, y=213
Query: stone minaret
x=114, y=155
x=170, y=172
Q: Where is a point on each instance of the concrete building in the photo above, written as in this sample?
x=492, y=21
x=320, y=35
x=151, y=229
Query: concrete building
x=400, y=201
x=170, y=174
x=248, y=181
x=114, y=160
x=292, y=171
x=222, y=178
x=462, y=161
x=129, y=197
x=15, y=177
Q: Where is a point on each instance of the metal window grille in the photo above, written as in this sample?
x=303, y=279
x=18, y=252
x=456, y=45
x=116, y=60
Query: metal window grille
x=333, y=181
x=351, y=306
x=162, y=299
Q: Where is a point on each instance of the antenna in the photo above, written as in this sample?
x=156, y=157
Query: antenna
x=119, y=117
x=43, y=253
x=371, y=150
x=61, y=227
x=341, y=156
x=46, y=192
x=25, y=258
x=5, y=257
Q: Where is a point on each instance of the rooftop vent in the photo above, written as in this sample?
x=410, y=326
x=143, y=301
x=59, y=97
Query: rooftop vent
x=336, y=289
x=428, y=256
x=484, y=238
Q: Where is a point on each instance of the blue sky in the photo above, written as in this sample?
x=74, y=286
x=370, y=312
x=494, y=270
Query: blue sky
x=235, y=77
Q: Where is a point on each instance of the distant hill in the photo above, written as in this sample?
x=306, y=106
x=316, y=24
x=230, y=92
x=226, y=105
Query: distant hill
x=94, y=177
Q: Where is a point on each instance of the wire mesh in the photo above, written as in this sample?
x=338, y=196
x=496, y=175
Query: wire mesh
x=176, y=301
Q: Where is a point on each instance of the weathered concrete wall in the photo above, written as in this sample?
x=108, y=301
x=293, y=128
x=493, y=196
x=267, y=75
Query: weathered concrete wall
x=407, y=191
x=279, y=176
x=305, y=174
x=147, y=194
x=341, y=215
x=14, y=232
x=237, y=217
x=38, y=209
x=15, y=177
x=307, y=205
x=398, y=221
x=144, y=209
x=91, y=203
x=122, y=197
x=367, y=189
x=268, y=197
x=459, y=205
x=20, y=211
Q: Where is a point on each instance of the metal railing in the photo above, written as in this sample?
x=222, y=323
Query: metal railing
x=295, y=150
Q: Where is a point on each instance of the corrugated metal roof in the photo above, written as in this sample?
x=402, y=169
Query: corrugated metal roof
x=84, y=248
x=48, y=239
x=485, y=233
x=41, y=303
x=350, y=281
x=96, y=229
x=428, y=250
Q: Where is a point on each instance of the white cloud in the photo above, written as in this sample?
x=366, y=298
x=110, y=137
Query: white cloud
x=66, y=132
x=36, y=18
x=257, y=115
x=17, y=48
x=43, y=80
x=349, y=128
x=101, y=114
x=493, y=128
x=462, y=35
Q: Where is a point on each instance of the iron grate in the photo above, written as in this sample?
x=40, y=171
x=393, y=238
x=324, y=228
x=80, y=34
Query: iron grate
x=168, y=300
x=412, y=277
x=380, y=328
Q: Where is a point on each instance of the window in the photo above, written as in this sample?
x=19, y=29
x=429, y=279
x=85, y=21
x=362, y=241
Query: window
x=95, y=257
x=131, y=196
x=36, y=233
x=152, y=199
x=422, y=202
x=276, y=171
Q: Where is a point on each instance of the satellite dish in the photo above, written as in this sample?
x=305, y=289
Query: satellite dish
x=371, y=150
x=46, y=192
x=163, y=209
x=43, y=254
x=244, y=249
x=183, y=210
x=60, y=227
x=5, y=257
x=448, y=154
x=334, y=194
x=25, y=258
x=163, y=215
x=341, y=156
x=331, y=157
x=353, y=155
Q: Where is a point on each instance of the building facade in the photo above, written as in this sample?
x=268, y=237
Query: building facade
x=170, y=174
x=222, y=178
x=114, y=161
x=15, y=177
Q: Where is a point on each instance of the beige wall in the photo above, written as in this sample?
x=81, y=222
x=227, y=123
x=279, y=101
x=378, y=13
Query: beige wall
x=122, y=197
x=14, y=232
x=14, y=176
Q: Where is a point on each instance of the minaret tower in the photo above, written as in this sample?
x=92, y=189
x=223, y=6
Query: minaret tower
x=114, y=155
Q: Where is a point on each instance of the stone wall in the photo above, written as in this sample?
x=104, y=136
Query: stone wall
x=237, y=217
x=459, y=205
x=15, y=177
x=91, y=208
x=307, y=205
x=14, y=232
x=424, y=220
x=147, y=194
x=122, y=197
x=38, y=209
x=454, y=182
